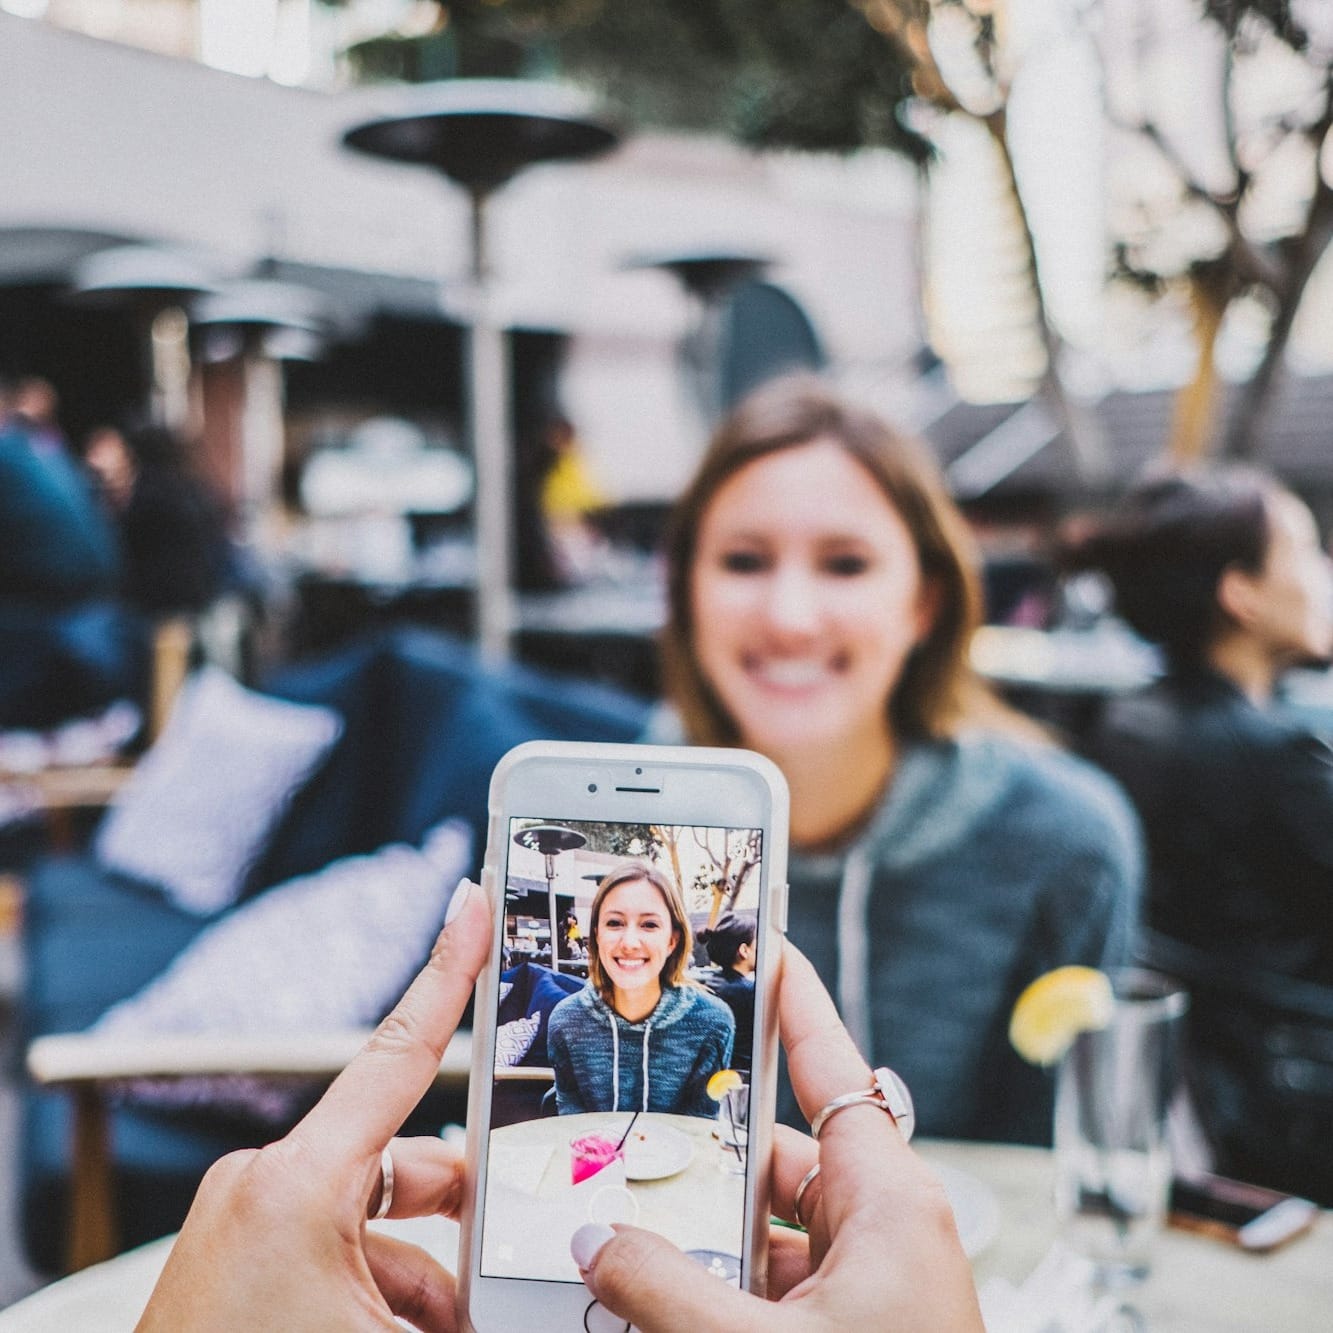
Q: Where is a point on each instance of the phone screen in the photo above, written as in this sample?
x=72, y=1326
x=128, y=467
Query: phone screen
x=625, y=1040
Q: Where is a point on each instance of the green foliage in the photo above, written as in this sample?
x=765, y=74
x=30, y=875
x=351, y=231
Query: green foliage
x=616, y=839
x=807, y=74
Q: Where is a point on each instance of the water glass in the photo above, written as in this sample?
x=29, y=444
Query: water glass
x=1112, y=1093
x=733, y=1128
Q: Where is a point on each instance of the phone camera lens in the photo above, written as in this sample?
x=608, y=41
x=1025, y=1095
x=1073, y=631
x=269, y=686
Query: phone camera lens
x=592, y=786
x=638, y=772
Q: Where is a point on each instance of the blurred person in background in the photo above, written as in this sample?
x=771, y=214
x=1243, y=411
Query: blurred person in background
x=65, y=647
x=35, y=404
x=823, y=595
x=173, y=535
x=730, y=945
x=1225, y=571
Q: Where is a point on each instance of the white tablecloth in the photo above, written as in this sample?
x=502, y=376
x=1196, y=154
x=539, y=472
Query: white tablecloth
x=1197, y=1285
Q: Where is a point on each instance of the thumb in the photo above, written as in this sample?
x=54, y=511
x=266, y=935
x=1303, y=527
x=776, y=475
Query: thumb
x=645, y=1279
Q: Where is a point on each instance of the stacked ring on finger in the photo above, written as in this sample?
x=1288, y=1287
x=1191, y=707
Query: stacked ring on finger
x=386, y=1186
x=806, y=1181
x=887, y=1091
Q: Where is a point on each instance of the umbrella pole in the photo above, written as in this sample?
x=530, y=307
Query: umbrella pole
x=488, y=381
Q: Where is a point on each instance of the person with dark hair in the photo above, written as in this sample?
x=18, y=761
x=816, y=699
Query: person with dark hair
x=641, y=1035
x=823, y=595
x=173, y=533
x=730, y=945
x=1225, y=571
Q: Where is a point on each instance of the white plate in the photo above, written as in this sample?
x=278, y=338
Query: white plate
x=653, y=1152
x=975, y=1208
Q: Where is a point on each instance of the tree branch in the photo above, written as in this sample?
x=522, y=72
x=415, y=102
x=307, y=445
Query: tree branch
x=1252, y=264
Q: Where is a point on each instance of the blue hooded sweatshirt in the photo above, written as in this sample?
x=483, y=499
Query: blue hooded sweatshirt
x=602, y=1062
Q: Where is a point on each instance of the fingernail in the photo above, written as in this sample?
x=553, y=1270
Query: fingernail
x=461, y=894
x=586, y=1243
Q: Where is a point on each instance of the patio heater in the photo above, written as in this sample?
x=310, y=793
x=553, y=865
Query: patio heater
x=480, y=133
x=550, y=840
x=263, y=322
x=157, y=283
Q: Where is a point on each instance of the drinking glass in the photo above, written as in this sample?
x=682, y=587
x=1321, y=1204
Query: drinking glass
x=733, y=1128
x=1112, y=1091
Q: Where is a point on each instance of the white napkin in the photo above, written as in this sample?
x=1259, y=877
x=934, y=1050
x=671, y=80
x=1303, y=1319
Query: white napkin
x=1058, y=1296
x=521, y=1168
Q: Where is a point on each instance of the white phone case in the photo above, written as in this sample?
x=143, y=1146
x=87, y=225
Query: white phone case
x=572, y=784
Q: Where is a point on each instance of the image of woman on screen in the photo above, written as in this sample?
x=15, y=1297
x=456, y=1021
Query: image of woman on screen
x=641, y=1035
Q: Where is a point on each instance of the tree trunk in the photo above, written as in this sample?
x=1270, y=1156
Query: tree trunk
x=1195, y=411
x=1242, y=437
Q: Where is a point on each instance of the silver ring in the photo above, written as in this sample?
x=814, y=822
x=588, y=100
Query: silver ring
x=386, y=1188
x=806, y=1181
x=887, y=1091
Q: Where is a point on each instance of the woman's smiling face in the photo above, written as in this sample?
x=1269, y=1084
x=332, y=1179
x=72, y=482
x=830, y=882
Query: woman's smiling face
x=635, y=935
x=806, y=597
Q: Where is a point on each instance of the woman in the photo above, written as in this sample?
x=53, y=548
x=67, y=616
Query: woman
x=730, y=945
x=1224, y=570
x=823, y=597
x=641, y=1036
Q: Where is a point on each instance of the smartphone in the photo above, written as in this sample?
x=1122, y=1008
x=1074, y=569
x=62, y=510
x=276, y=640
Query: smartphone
x=1251, y=1216
x=619, y=1074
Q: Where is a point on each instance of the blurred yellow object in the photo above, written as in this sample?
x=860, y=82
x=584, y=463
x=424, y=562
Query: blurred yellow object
x=723, y=1082
x=569, y=491
x=1055, y=1008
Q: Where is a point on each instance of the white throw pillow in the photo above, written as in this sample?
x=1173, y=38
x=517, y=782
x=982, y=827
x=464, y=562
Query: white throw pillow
x=198, y=809
x=322, y=953
x=514, y=1040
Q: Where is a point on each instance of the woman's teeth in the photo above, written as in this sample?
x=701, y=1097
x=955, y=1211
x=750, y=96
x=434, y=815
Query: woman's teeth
x=792, y=675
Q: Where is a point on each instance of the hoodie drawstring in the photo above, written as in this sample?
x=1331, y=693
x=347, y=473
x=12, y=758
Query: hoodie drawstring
x=615, y=1062
x=853, y=960
x=647, y=1028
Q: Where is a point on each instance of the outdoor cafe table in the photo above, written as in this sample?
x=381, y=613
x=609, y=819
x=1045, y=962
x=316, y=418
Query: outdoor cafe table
x=683, y=1191
x=1197, y=1285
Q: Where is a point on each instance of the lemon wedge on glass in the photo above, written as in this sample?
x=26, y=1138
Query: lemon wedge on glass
x=1055, y=1008
x=723, y=1082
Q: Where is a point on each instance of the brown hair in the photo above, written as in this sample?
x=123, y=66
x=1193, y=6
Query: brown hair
x=673, y=970
x=938, y=689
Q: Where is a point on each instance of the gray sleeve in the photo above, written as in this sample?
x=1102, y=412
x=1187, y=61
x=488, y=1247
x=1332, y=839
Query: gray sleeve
x=1091, y=902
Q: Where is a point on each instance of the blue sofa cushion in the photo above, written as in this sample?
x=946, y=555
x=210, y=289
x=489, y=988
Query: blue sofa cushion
x=536, y=990
x=93, y=937
x=336, y=813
